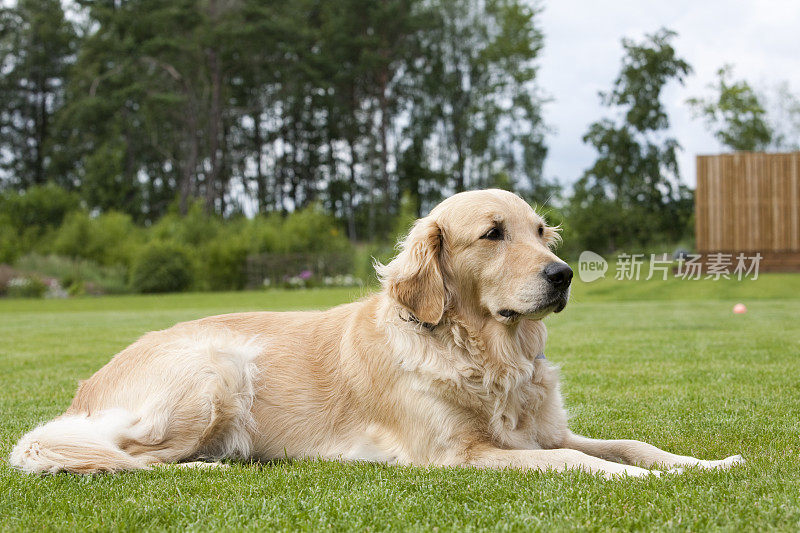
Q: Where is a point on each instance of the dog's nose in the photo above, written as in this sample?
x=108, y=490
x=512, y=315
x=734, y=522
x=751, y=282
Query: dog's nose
x=559, y=274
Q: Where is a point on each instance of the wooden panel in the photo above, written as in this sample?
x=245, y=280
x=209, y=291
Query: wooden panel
x=748, y=202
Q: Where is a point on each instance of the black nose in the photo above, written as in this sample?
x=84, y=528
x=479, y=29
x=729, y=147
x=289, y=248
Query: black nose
x=559, y=274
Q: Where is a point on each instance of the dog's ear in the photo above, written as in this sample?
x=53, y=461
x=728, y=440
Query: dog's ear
x=414, y=278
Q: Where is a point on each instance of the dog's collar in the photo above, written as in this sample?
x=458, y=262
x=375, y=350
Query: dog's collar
x=541, y=356
x=413, y=319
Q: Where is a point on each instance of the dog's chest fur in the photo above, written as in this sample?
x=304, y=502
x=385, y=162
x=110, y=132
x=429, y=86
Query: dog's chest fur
x=496, y=383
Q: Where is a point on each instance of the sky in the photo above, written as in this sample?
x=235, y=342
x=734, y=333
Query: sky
x=583, y=49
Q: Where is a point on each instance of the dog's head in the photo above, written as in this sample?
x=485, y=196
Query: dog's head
x=479, y=253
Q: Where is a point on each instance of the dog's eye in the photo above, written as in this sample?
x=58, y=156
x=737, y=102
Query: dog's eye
x=494, y=234
x=541, y=231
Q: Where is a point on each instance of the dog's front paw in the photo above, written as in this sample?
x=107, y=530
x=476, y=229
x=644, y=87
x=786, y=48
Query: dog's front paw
x=631, y=471
x=726, y=463
x=722, y=464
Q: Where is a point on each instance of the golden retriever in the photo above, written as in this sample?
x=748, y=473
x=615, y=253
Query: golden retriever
x=444, y=366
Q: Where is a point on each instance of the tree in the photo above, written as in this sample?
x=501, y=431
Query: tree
x=278, y=105
x=37, y=46
x=632, y=195
x=482, y=79
x=150, y=96
x=783, y=116
x=734, y=113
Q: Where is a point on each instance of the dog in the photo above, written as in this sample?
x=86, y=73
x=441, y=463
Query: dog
x=443, y=366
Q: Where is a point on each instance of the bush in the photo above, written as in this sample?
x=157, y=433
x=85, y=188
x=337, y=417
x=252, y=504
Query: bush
x=162, y=267
x=6, y=274
x=11, y=245
x=78, y=276
x=108, y=239
x=246, y=252
x=26, y=287
x=263, y=233
x=40, y=206
x=223, y=262
x=194, y=229
x=311, y=230
x=90, y=253
x=26, y=217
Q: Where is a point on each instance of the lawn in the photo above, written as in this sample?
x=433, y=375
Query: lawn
x=664, y=362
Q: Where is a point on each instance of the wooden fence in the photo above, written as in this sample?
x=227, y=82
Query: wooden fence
x=750, y=202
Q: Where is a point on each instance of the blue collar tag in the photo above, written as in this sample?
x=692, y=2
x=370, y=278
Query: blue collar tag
x=541, y=356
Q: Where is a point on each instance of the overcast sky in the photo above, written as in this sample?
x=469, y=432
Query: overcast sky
x=582, y=56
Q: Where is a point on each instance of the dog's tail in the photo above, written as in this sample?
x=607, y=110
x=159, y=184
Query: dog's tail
x=81, y=444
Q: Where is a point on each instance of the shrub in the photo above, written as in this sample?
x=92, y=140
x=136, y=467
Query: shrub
x=405, y=218
x=194, y=229
x=263, y=233
x=26, y=287
x=78, y=276
x=297, y=269
x=39, y=206
x=6, y=274
x=26, y=217
x=108, y=239
x=162, y=267
x=11, y=245
x=311, y=230
x=223, y=262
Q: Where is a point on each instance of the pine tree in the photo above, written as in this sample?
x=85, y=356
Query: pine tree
x=37, y=46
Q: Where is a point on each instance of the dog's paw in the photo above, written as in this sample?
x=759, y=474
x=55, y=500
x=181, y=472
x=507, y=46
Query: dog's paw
x=631, y=471
x=722, y=464
x=726, y=463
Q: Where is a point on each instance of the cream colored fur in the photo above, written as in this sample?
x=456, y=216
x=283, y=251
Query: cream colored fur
x=435, y=369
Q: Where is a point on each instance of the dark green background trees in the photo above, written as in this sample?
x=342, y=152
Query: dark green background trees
x=37, y=47
x=270, y=105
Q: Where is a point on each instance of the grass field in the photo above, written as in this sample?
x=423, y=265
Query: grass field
x=665, y=362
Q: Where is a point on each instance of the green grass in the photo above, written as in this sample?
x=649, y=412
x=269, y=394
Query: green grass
x=665, y=362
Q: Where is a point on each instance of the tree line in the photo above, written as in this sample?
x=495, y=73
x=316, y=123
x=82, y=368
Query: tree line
x=146, y=108
x=272, y=106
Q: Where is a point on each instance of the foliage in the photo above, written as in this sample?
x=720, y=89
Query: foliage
x=37, y=46
x=311, y=229
x=25, y=217
x=40, y=206
x=107, y=239
x=44, y=230
x=406, y=215
x=734, y=113
x=6, y=274
x=192, y=229
x=78, y=276
x=223, y=263
x=365, y=258
x=162, y=267
x=345, y=104
x=10, y=245
x=632, y=194
x=25, y=287
x=783, y=116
